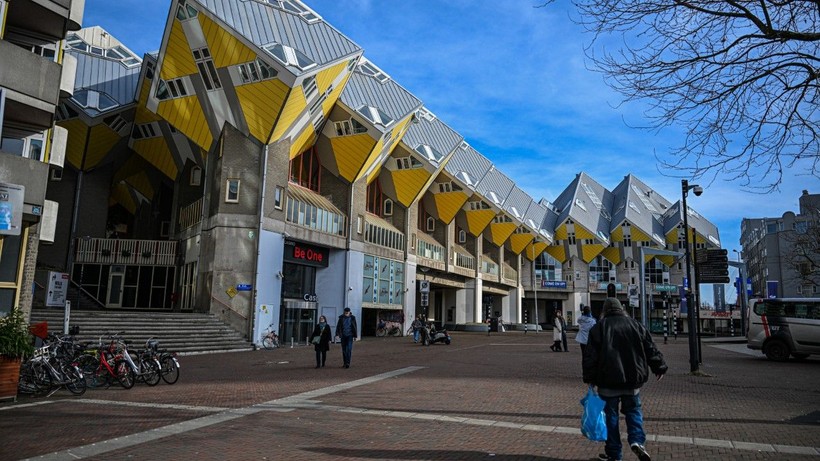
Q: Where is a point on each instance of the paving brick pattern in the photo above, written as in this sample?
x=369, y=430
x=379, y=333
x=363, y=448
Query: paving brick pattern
x=481, y=398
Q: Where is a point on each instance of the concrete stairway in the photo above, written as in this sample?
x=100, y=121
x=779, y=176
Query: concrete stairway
x=185, y=333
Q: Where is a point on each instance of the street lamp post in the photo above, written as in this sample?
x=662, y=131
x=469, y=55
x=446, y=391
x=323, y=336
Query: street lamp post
x=741, y=293
x=693, y=341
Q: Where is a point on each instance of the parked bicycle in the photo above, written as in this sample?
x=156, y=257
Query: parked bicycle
x=388, y=330
x=52, y=367
x=105, y=364
x=146, y=366
x=270, y=340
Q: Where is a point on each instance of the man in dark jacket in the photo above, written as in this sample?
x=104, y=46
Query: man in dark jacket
x=347, y=332
x=618, y=359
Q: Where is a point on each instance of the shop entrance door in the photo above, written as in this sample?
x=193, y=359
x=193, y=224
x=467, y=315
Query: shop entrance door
x=300, y=318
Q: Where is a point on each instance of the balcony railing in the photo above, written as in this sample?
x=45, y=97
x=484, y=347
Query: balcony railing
x=190, y=215
x=383, y=235
x=489, y=267
x=508, y=273
x=430, y=250
x=464, y=261
x=123, y=251
x=308, y=209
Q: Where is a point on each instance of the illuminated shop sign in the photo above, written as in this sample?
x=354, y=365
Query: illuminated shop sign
x=301, y=253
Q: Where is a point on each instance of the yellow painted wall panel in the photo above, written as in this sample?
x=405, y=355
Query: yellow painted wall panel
x=448, y=204
x=143, y=115
x=501, y=232
x=75, y=146
x=156, y=152
x=534, y=249
x=294, y=106
x=617, y=235
x=351, y=152
x=589, y=252
x=557, y=252
x=302, y=142
x=672, y=236
x=325, y=77
x=408, y=184
x=639, y=235
x=334, y=95
x=561, y=232
x=519, y=242
x=583, y=233
x=141, y=183
x=186, y=115
x=261, y=103
x=613, y=254
x=478, y=220
x=178, y=60
x=374, y=154
x=101, y=140
x=667, y=260
x=121, y=195
x=225, y=48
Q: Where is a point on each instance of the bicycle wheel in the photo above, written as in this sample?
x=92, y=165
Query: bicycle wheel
x=150, y=371
x=29, y=383
x=269, y=342
x=42, y=378
x=75, y=382
x=170, y=369
x=125, y=374
x=380, y=332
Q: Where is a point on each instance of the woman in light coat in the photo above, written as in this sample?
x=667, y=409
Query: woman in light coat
x=557, y=332
x=585, y=323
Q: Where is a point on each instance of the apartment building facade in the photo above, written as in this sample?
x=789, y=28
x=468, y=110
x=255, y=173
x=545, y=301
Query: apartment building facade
x=261, y=168
x=35, y=76
x=782, y=253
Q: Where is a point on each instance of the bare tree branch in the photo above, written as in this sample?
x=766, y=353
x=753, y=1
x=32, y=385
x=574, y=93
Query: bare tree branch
x=741, y=77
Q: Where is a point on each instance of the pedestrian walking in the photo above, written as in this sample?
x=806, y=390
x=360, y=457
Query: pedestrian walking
x=321, y=340
x=557, y=332
x=417, y=326
x=620, y=356
x=585, y=323
x=347, y=332
x=563, y=331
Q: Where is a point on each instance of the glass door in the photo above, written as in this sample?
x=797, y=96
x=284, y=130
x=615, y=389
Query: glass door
x=115, y=282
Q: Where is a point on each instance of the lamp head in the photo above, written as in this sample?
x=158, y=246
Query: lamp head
x=697, y=190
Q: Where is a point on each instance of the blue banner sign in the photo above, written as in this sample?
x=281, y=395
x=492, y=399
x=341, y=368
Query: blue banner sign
x=244, y=287
x=602, y=286
x=771, y=288
x=554, y=284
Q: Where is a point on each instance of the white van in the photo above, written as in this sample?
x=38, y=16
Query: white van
x=784, y=326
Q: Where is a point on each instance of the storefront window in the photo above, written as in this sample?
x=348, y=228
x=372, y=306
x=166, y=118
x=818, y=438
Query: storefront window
x=298, y=280
x=383, y=281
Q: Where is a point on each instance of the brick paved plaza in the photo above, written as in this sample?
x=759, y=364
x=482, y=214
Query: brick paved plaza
x=505, y=397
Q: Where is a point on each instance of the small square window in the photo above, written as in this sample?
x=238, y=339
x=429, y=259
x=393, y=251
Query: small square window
x=278, y=197
x=232, y=191
x=57, y=174
x=359, y=224
x=164, y=228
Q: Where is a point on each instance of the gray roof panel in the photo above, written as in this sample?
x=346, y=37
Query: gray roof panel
x=261, y=24
x=496, y=187
x=432, y=132
x=390, y=97
x=106, y=76
x=468, y=166
x=517, y=201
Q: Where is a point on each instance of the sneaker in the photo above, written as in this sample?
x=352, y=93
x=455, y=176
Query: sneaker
x=640, y=452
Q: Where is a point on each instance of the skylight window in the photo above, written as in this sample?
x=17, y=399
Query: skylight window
x=375, y=115
x=643, y=196
x=426, y=114
x=94, y=100
x=465, y=178
x=116, y=53
x=289, y=56
x=296, y=7
x=515, y=212
x=592, y=196
x=491, y=195
x=580, y=204
x=368, y=68
x=429, y=152
x=634, y=207
x=603, y=237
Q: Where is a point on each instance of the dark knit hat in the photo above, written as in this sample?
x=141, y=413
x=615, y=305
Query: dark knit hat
x=347, y=309
x=612, y=304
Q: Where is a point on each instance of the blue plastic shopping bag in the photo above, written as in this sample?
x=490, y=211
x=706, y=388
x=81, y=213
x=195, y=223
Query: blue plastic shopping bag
x=593, y=423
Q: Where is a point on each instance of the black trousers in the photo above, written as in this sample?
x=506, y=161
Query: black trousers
x=321, y=356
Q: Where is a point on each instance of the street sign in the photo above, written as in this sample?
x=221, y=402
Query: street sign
x=425, y=299
x=713, y=265
x=424, y=286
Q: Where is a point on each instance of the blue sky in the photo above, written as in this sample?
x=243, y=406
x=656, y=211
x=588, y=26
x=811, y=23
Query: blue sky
x=511, y=78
